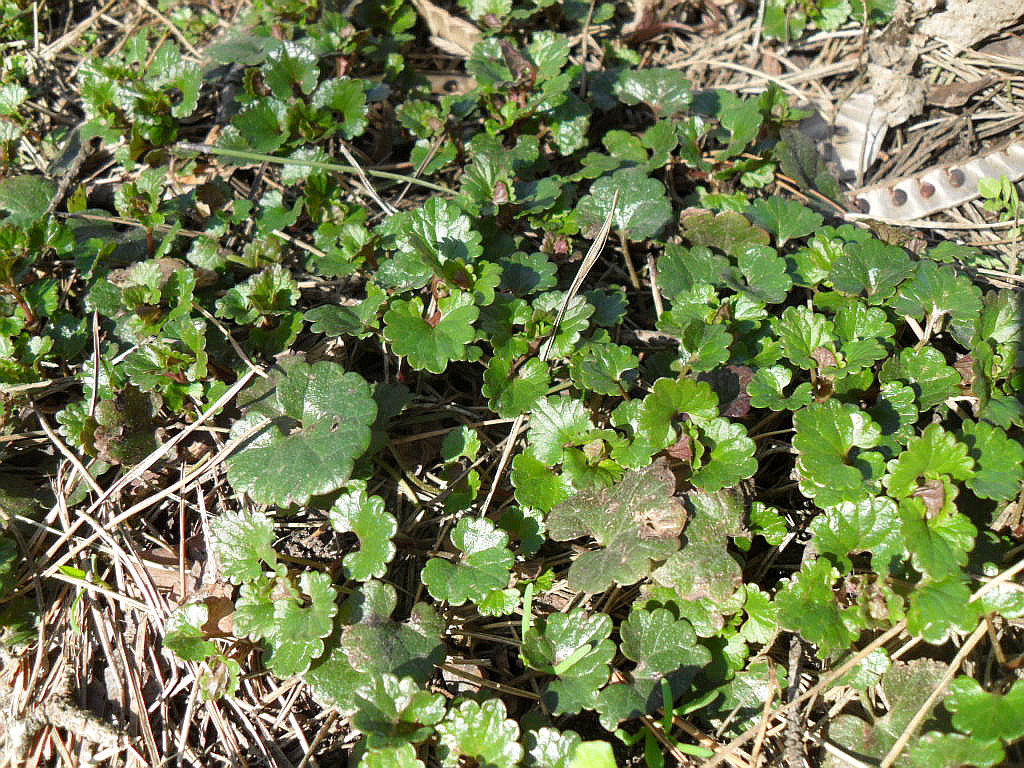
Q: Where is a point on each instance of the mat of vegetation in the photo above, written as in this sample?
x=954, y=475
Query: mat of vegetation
x=365, y=407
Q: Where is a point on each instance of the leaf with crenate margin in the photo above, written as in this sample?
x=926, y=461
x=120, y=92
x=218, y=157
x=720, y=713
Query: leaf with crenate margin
x=536, y=485
x=368, y=643
x=766, y=390
x=666, y=91
x=402, y=756
x=556, y=424
x=374, y=643
x=511, y=393
x=936, y=749
x=299, y=630
x=986, y=716
x=728, y=454
x=642, y=211
x=634, y=522
x=441, y=230
x=937, y=291
x=603, y=368
x=483, y=567
x=801, y=332
x=426, y=344
x=575, y=647
x=868, y=525
x=480, y=732
x=935, y=455
x=365, y=517
x=393, y=711
x=872, y=269
x=940, y=609
x=668, y=399
x=808, y=604
x=664, y=648
x=926, y=372
x=765, y=274
x=834, y=461
x=183, y=632
x=999, y=459
x=730, y=232
x=320, y=424
x=551, y=748
x=242, y=540
x=786, y=219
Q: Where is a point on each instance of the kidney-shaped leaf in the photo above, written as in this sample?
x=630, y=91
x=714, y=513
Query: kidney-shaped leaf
x=320, y=419
x=366, y=518
x=483, y=567
x=635, y=521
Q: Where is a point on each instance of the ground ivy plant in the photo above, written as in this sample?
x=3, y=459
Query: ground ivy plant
x=751, y=422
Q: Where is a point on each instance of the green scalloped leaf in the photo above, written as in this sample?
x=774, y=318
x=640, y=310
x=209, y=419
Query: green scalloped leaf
x=953, y=750
x=834, y=462
x=999, y=461
x=392, y=711
x=607, y=369
x=431, y=343
x=401, y=756
x=871, y=269
x=786, y=219
x=808, y=603
x=668, y=399
x=937, y=291
x=183, y=632
x=666, y=91
x=483, y=566
x=926, y=372
x=536, y=485
x=642, y=211
x=556, y=424
x=664, y=648
x=801, y=333
x=935, y=455
x=766, y=390
x=729, y=231
x=320, y=424
x=727, y=455
x=634, y=522
x=299, y=630
x=986, y=716
x=242, y=540
x=552, y=748
x=575, y=647
x=374, y=643
x=512, y=392
x=869, y=525
x=479, y=732
x=941, y=609
x=365, y=517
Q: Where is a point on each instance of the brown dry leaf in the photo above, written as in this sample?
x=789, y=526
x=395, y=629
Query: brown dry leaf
x=1012, y=47
x=163, y=568
x=933, y=494
x=951, y=95
x=451, y=34
x=682, y=449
